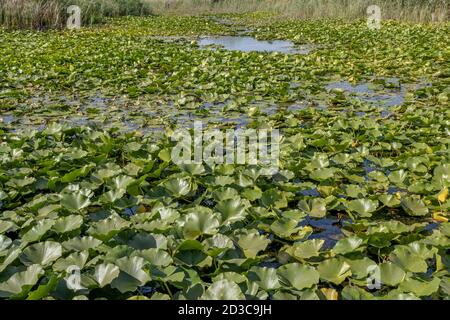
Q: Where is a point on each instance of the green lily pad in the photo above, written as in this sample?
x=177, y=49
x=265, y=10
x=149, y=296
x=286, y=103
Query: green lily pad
x=223, y=290
x=334, y=270
x=43, y=253
x=298, y=276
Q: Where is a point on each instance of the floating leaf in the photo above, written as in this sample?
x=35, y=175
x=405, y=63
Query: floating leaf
x=334, y=270
x=43, y=253
x=21, y=281
x=414, y=207
x=252, y=243
x=266, y=278
x=105, y=273
x=364, y=207
x=298, y=276
x=223, y=290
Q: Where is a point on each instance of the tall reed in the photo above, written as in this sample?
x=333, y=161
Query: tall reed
x=43, y=14
x=409, y=10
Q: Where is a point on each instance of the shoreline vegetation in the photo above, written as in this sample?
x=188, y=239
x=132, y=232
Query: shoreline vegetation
x=51, y=14
x=419, y=11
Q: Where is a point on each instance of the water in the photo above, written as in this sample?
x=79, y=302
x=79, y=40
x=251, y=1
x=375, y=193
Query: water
x=393, y=93
x=250, y=44
x=7, y=119
x=329, y=229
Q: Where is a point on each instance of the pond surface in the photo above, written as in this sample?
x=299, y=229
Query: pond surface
x=395, y=95
x=250, y=44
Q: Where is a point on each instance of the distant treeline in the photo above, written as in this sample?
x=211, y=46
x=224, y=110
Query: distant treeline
x=44, y=14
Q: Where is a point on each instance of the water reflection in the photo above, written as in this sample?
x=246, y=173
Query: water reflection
x=249, y=44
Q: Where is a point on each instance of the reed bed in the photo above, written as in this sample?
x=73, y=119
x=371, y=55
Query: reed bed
x=44, y=14
x=405, y=10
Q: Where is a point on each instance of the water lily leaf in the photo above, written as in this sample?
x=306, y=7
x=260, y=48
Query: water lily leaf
x=231, y=210
x=364, y=207
x=334, y=270
x=322, y=174
x=6, y=225
x=398, y=294
x=217, y=244
x=298, y=276
x=121, y=182
x=389, y=200
x=5, y=242
x=378, y=176
x=445, y=285
x=284, y=227
x=273, y=198
x=252, y=243
x=143, y=241
x=355, y=191
x=347, y=245
x=156, y=257
x=199, y=223
x=177, y=187
x=252, y=194
x=398, y=177
x=67, y=224
x=420, y=287
x=112, y=196
x=442, y=174
x=320, y=160
x=125, y=283
x=192, y=168
x=355, y=293
x=43, y=253
x=407, y=260
x=108, y=228
x=330, y=293
x=133, y=267
x=223, y=290
x=443, y=195
x=192, y=258
x=314, y=207
x=361, y=267
x=44, y=289
x=391, y=274
x=75, y=201
x=11, y=256
x=414, y=207
x=37, y=231
x=232, y=276
x=145, y=298
x=305, y=249
x=266, y=278
x=75, y=174
x=81, y=243
x=20, y=281
x=225, y=194
x=105, y=273
x=77, y=259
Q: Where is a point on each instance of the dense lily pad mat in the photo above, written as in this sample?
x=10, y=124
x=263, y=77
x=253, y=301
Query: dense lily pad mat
x=361, y=187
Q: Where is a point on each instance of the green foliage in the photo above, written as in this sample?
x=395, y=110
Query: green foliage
x=358, y=190
x=44, y=14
